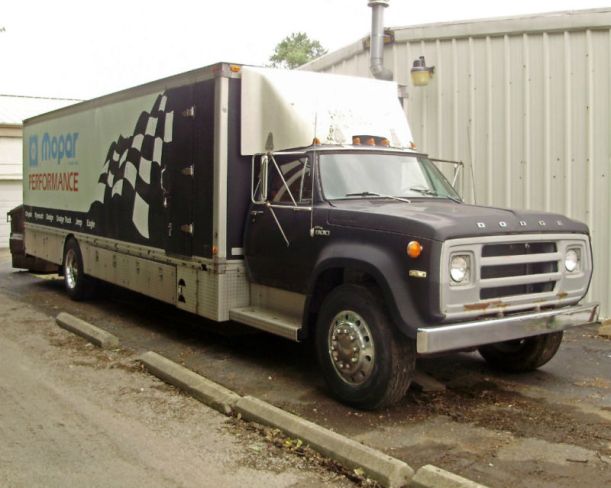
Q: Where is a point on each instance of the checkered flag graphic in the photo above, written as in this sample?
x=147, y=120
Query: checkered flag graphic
x=128, y=204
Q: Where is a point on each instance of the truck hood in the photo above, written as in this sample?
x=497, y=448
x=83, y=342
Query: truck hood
x=441, y=219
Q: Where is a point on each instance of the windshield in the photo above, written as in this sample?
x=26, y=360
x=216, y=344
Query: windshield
x=354, y=175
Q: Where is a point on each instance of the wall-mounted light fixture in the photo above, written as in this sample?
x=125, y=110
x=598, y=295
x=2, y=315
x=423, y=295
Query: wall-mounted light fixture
x=421, y=73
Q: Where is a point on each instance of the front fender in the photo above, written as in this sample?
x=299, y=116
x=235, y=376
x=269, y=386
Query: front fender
x=386, y=269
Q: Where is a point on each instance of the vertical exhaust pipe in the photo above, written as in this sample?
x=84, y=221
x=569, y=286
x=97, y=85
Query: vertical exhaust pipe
x=376, y=52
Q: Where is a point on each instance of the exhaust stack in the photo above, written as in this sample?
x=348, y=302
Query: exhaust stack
x=376, y=53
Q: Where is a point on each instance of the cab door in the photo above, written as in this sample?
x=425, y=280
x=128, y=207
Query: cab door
x=278, y=247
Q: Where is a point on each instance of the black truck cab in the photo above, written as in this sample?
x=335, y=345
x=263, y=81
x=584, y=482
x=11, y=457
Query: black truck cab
x=394, y=264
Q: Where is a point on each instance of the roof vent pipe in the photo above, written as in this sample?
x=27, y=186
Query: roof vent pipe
x=376, y=53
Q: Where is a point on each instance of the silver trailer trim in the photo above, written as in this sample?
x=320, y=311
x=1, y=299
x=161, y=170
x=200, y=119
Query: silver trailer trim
x=477, y=333
x=221, y=123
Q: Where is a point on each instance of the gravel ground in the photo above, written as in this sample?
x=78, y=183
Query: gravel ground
x=74, y=415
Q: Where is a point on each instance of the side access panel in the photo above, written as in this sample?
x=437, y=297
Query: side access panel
x=186, y=288
x=188, y=173
x=144, y=276
x=47, y=245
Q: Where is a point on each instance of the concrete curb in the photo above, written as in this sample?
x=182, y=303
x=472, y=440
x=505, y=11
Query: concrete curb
x=206, y=391
x=605, y=329
x=378, y=466
x=430, y=476
x=84, y=329
x=386, y=470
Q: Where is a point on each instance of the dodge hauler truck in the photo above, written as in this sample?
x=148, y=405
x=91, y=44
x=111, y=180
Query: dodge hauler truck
x=295, y=203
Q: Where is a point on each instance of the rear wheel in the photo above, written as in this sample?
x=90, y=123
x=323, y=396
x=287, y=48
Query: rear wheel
x=78, y=285
x=365, y=361
x=522, y=355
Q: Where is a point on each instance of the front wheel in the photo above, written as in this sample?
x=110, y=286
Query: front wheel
x=78, y=285
x=522, y=355
x=364, y=359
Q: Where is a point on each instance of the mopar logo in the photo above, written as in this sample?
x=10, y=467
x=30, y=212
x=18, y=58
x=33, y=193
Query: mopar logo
x=33, y=151
x=53, y=147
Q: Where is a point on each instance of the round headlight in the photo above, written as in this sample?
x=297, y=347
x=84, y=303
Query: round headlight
x=458, y=268
x=571, y=260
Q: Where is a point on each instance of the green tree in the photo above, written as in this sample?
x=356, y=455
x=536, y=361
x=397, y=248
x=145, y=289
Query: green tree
x=295, y=50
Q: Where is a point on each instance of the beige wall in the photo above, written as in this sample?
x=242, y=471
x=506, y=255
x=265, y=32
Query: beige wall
x=10, y=176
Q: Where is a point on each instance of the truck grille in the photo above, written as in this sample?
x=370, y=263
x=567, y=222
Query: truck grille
x=518, y=268
x=513, y=273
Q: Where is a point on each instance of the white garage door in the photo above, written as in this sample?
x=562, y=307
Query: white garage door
x=10, y=197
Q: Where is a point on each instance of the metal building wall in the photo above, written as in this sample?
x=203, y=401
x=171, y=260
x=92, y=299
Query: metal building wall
x=526, y=101
x=10, y=177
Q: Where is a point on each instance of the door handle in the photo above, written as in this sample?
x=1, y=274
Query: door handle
x=187, y=228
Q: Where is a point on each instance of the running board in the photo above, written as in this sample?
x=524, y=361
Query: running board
x=278, y=323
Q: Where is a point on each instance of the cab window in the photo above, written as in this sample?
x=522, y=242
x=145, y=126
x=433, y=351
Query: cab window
x=298, y=177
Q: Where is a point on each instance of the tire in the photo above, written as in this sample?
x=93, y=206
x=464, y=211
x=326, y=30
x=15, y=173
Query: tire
x=78, y=285
x=364, y=359
x=522, y=355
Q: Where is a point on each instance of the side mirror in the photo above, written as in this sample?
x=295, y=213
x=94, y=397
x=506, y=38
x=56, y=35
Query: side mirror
x=263, y=179
x=259, y=169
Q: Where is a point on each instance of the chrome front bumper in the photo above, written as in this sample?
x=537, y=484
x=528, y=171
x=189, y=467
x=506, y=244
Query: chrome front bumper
x=487, y=331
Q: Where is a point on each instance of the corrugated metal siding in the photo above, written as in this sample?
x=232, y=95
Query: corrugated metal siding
x=528, y=108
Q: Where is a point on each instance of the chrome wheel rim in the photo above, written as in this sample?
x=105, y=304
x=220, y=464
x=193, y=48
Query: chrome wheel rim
x=71, y=269
x=351, y=348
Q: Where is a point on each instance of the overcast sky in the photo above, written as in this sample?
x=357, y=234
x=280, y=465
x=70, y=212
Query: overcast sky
x=82, y=49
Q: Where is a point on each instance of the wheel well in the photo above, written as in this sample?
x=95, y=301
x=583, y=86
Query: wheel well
x=328, y=280
x=66, y=240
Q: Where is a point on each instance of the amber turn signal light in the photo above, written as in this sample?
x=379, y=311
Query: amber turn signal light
x=414, y=249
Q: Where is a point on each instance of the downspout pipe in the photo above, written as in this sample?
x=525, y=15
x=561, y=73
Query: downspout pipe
x=376, y=52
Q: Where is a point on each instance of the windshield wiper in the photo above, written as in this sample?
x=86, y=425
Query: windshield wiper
x=373, y=194
x=427, y=191
x=424, y=191
x=454, y=199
